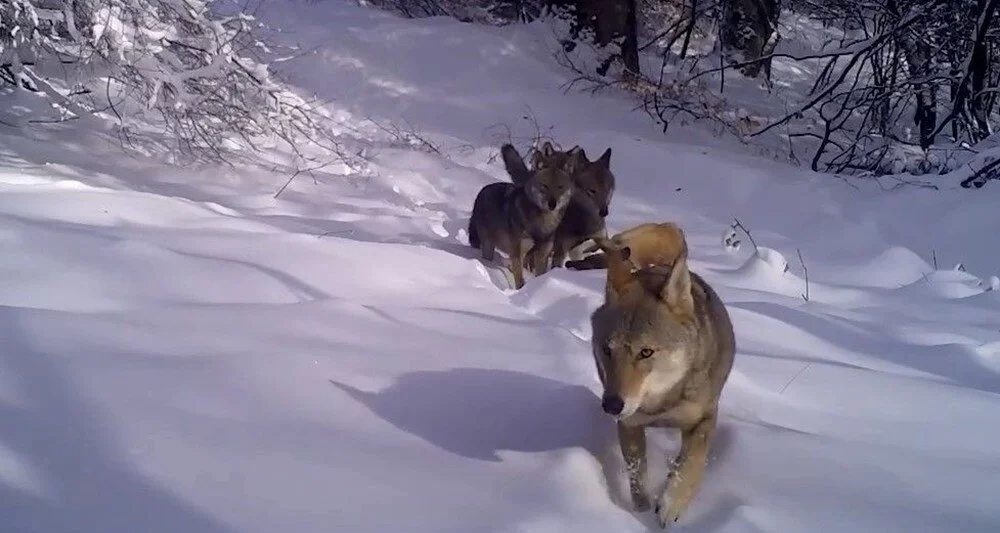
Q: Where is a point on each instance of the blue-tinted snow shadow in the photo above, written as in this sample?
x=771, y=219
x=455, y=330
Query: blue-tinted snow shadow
x=477, y=413
x=77, y=480
x=958, y=364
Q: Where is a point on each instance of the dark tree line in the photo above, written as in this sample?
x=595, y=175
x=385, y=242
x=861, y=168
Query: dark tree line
x=747, y=27
x=911, y=85
x=926, y=63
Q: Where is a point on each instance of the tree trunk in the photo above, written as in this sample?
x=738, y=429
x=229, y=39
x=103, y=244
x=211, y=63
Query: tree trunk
x=515, y=10
x=919, y=61
x=980, y=66
x=609, y=20
x=750, y=27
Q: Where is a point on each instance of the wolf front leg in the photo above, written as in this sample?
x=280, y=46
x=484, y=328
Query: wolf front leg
x=539, y=254
x=558, y=253
x=517, y=262
x=632, y=440
x=685, y=479
x=591, y=262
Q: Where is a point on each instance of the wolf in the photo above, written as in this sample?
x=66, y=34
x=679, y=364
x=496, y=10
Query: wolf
x=510, y=215
x=664, y=350
x=645, y=245
x=593, y=188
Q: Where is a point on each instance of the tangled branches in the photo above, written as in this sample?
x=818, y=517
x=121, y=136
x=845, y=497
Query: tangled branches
x=197, y=78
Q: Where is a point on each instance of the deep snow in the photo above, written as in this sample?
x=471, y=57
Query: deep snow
x=184, y=352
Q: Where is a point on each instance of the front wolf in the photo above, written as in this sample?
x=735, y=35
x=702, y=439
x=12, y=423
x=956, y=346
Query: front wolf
x=663, y=354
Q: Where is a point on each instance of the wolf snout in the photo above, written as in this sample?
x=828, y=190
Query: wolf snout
x=612, y=404
x=552, y=203
x=603, y=212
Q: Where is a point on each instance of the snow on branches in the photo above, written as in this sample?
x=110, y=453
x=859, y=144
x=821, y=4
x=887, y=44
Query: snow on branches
x=173, y=64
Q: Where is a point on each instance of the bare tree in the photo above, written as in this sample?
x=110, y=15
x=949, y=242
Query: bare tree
x=750, y=27
x=606, y=22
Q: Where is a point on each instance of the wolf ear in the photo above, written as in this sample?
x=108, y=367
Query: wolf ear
x=547, y=149
x=540, y=156
x=577, y=159
x=537, y=161
x=605, y=159
x=670, y=283
x=514, y=164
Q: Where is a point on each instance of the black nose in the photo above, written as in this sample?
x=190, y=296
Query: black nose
x=604, y=212
x=552, y=203
x=612, y=404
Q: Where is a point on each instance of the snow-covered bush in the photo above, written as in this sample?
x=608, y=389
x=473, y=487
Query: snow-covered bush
x=172, y=64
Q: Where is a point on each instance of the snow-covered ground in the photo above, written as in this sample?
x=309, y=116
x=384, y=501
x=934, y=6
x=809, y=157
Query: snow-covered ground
x=182, y=352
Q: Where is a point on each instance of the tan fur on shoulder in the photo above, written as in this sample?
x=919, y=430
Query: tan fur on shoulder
x=641, y=247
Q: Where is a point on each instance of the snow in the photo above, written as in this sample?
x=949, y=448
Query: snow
x=182, y=351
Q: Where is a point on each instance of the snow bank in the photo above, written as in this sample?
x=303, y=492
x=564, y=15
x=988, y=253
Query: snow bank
x=184, y=352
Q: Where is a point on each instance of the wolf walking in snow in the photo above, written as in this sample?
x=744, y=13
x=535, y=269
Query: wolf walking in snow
x=593, y=188
x=664, y=346
x=509, y=215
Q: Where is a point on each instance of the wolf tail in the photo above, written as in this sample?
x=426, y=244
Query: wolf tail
x=473, y=232
x=514, y=164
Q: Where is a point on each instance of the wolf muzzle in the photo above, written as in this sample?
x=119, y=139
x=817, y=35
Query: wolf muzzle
x=612, y=404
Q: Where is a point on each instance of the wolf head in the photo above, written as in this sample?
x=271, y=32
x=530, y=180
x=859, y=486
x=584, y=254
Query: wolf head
x=593, y=181
x=549, y=182
x=643, y=342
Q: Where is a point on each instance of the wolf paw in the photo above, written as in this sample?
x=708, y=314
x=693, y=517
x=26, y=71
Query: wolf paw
x=666, y=514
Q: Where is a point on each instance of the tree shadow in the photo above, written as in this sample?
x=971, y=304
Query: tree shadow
x=74, y=478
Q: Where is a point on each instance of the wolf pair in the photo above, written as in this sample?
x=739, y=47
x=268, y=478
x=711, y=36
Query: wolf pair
x=552, y=207
x=663, y=345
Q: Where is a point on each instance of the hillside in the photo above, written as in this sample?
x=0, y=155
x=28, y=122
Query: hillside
x=184, y=351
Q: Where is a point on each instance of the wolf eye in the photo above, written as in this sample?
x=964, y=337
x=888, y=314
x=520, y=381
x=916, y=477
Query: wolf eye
x=645, y=353
x=593, y=192
x=607, y=351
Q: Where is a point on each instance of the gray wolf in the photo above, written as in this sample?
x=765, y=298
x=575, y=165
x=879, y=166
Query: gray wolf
x=664, y=348
x=593, y=188
x=512, y=216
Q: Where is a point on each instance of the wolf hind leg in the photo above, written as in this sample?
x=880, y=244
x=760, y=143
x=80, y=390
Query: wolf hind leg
x=487, y=246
